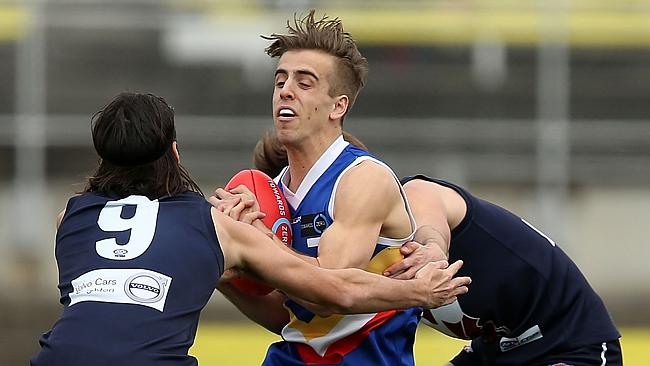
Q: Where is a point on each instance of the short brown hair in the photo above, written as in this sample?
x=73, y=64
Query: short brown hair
x=326, y=35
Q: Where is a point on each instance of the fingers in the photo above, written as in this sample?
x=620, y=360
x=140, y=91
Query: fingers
x=404, y=275
x=453, y=294
x=223, y=194
x=224, y=205
x=461, y=281
x=396, y=268
x=214, y=201
x=409, y=248
x=433, y=270
x=443, y=264
x=443, y=286
x=457, y=286
x=416, y=256
x=242, y=189
x=234, y=205
x=460, y=285
x=249, y=217
x=236, y=211
x=454, y=267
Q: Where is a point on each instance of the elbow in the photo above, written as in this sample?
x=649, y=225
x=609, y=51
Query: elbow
x=335, y=296
x=343, y=301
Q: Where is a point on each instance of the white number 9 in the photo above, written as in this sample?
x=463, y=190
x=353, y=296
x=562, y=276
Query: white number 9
x=142, y=226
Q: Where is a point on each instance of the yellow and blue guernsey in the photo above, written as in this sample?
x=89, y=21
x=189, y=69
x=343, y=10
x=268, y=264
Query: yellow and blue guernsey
x=384, y=338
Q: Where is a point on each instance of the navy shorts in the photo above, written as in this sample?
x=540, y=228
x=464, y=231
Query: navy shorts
x=601, y=354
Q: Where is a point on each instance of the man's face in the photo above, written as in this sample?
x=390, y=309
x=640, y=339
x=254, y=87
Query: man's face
x=301, y=102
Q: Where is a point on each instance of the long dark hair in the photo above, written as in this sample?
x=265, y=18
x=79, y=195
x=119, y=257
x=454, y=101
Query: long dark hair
x=133, y=136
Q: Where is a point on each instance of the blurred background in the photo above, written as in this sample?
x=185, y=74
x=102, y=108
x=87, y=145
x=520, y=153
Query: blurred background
x=540, y=106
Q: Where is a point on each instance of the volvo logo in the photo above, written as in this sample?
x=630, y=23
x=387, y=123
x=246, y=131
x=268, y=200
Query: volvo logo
x=145, y=288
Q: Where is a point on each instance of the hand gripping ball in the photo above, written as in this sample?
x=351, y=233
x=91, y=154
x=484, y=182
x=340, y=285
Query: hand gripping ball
x=273, y=204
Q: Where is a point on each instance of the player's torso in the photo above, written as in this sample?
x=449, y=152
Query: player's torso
x=319, y=339
x=524, y=288
x=134, y=274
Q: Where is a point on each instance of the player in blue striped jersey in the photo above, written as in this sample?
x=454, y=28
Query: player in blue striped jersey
x=348, y=208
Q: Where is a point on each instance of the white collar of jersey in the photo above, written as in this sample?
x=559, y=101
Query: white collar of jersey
x=314, y=173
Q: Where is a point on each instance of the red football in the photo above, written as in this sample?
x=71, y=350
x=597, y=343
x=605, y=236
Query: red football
x=273, y=204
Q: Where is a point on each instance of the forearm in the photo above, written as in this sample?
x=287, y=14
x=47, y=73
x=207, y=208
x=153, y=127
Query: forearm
x=363, y=292
x=260, y=226
x=267, y=311
x=428, y=235
x=434, y=285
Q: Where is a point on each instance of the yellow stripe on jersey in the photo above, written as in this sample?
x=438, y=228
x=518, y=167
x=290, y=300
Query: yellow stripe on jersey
x=318, y=326
x=384, y=259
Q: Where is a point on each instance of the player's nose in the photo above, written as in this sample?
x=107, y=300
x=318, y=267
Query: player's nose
x=286, y=92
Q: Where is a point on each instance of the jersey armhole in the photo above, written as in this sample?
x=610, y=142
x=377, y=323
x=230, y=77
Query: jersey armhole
x=211, y=231
x=69, y=208
x=381, y=239
x=466, y=196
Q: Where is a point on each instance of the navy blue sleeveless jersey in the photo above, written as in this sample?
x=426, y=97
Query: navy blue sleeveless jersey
x=527, y=297
x=134, y=275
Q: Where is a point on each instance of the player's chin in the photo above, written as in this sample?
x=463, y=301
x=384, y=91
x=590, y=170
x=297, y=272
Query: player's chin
x=286, y=137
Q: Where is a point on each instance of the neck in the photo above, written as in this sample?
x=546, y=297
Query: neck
x=302, y=158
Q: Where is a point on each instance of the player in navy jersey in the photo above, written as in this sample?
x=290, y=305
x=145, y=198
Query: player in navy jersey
x=529, y=303
x=140, y=251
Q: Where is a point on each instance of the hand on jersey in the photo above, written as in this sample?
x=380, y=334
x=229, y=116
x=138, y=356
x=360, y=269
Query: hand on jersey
x=416, y=256
x=443, y=287
x=239, y=203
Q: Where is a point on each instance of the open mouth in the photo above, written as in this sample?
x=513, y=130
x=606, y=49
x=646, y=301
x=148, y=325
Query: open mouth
x=286, y=112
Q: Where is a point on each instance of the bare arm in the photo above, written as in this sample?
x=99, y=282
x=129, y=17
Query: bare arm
x=437, y=210
x=340, y=291
x=266, y=310
x=428, y=207
x=362, y=212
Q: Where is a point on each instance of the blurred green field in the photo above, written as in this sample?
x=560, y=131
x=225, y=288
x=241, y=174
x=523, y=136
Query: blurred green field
x=245, y=345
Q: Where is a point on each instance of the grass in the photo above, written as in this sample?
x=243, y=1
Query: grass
x=245, y=345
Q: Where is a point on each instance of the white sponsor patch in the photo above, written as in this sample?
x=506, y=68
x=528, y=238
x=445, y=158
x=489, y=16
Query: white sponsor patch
x=532, y=334
x=313, y=242
x=124, y=286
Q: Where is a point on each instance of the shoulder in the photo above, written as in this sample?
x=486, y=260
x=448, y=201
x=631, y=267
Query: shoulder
x=230, y=230
x=367, y=184
x=426, y=185
x=369, y=173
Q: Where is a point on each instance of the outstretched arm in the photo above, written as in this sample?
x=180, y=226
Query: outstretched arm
x=340, y=291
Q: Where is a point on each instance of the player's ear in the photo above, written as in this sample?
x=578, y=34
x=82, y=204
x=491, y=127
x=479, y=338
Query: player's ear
x=177, y=155
x=340, y=107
